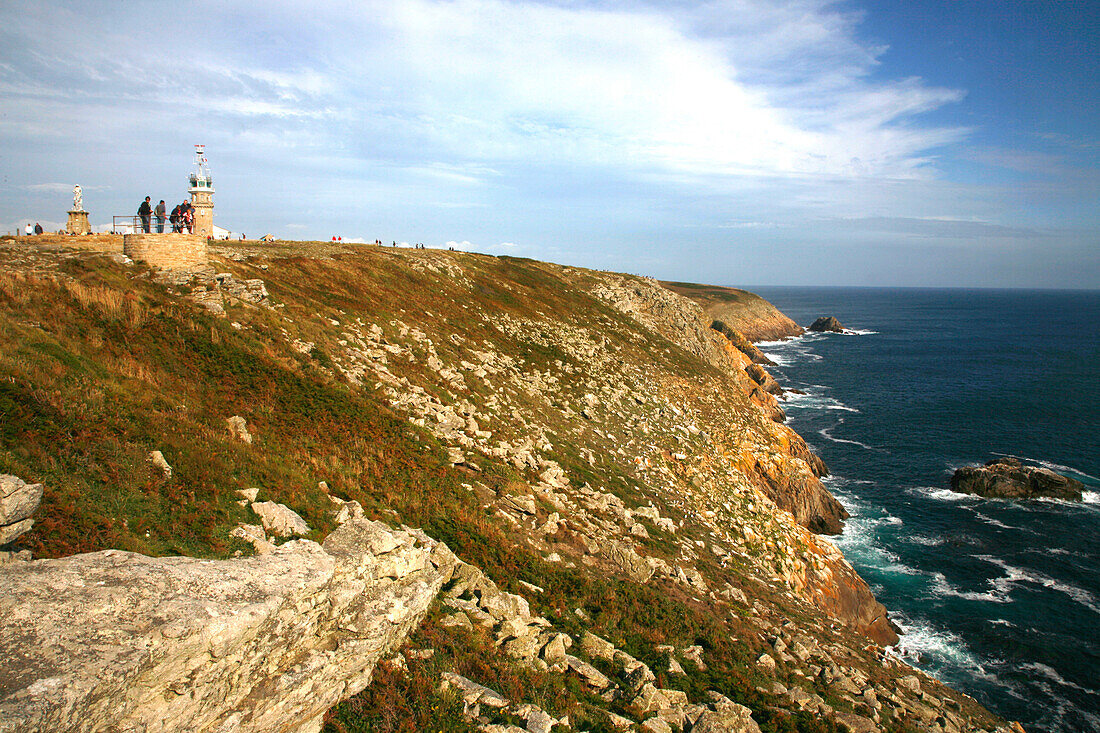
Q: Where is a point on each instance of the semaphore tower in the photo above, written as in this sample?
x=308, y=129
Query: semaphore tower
x=202, y=194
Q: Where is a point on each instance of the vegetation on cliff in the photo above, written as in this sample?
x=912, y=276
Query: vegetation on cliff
x=584, y=438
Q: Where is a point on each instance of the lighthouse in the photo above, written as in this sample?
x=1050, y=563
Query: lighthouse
x=202, y=194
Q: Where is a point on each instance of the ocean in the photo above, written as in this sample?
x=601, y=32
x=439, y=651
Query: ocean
x=999, y=599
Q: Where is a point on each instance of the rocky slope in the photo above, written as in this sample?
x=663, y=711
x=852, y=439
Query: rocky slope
x=637, y=531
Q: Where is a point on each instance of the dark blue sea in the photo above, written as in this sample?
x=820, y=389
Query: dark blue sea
x=998, y=599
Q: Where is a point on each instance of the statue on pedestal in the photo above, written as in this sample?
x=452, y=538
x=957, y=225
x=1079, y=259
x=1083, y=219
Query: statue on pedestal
x=78, y=217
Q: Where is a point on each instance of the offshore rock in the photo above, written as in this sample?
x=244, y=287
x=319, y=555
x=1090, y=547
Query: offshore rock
x=826, y=323
x=1008, y=478
x=266, y=643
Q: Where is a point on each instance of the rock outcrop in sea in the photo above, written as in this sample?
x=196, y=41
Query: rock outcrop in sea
x=476, y=493
x=1009, y=478
x=826, y=324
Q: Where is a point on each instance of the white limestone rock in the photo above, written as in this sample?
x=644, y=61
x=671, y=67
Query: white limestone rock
x=279, y=519
x=166, y=644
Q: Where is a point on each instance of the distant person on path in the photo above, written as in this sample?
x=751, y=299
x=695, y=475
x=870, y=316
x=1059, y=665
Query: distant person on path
x=27, y=229
x=38, y=228
x=145, y=211
x=159, y=211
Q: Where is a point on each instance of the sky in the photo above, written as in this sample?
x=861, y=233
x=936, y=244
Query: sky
x=735, y=142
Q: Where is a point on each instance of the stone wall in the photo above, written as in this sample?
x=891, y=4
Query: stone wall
x=115, y=641
x=166, y=251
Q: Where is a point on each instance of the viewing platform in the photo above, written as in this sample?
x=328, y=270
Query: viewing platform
x=168, y=251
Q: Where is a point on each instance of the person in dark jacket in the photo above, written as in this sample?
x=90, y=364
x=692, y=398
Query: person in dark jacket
x=174, y=219
x=145, y=211
x=38, y=228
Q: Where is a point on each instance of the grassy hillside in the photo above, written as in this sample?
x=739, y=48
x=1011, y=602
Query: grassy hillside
x=527, y=414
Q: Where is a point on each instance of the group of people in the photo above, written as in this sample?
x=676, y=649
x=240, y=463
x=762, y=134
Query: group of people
x=182, y=217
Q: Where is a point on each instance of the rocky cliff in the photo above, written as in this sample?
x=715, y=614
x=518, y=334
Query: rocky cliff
x=638, y=533
x=740, y=310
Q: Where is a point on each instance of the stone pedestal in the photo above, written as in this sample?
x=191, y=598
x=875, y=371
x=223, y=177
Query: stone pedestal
x=166, y=251
x=78, y=222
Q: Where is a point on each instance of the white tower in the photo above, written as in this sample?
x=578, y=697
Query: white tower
x=202, y=194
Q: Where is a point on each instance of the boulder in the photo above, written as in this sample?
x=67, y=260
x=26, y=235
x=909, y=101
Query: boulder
x=164, y=644
x=238, y=428
x=279, y=519
x=1008, y=478
x=826, y=323
x=731, y=718
x=18, y=501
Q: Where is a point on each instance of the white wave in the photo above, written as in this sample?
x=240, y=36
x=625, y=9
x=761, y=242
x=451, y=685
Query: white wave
x=942, y=494
x=781, y=342
x=993, y=522
x=920, y=639
x=779, y=359
x=891, y=519
x=858, y=332
x=858, y=539
x=811, y=401
x=919, y=539
x=824, y=433
x=998, y=594
x=1014, y=574
x=1090, y=497
x=1052, y=674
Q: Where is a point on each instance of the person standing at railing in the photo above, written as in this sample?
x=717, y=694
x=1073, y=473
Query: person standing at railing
x=189, y=217
x=174, y=219
x=159, y=211
x=145, y=211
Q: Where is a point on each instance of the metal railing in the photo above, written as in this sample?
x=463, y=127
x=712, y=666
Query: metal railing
x=147, y=225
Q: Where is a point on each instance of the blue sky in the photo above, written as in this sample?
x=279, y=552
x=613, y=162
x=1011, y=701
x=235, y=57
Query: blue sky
x=739, y=142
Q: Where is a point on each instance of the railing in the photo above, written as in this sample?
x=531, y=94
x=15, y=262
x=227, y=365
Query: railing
x=151, y=224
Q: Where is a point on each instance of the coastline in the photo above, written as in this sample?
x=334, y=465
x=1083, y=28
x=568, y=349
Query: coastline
x=972, y=581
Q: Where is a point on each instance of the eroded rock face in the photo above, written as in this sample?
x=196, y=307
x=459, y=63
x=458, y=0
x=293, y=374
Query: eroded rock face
x=266, y=643
x=1008, y=478
x=826, y=323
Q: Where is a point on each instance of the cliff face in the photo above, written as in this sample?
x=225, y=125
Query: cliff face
x=603, y=459
x=741, y=310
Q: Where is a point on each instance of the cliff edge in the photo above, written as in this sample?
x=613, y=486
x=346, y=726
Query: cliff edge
x=741, y=310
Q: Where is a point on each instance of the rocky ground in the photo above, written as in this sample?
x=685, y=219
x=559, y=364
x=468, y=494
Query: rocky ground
x=637, y=533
